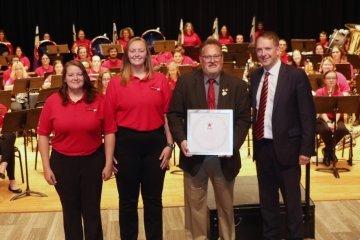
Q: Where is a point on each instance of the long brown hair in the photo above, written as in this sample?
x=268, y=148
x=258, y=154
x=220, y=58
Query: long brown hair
x=89, y=89
x=126, y=71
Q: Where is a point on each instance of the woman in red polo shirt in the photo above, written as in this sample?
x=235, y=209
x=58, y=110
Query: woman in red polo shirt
x=137, y=101
x=77, y=163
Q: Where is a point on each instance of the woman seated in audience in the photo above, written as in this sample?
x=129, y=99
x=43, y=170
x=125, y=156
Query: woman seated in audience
x=7, y=161
x=102, y=81
x=190, y=36
x=172, y=74
x=327, y=64
x=58, y=70
x=296, y=59
x=225, y=37
x=180, y=59
x=4, y=40
x=325, y=125
x=124, y=36
x=45, y=66
x=23, y=59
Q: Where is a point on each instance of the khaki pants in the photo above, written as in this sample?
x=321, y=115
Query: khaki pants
x=195, y=193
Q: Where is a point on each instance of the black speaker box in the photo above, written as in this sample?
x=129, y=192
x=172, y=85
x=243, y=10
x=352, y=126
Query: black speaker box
x=248, y=223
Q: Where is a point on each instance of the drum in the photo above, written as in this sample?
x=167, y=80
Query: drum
x=151, y=36
x=338, y=37
x=4, y=49
x=41, y=49
x=96, y=43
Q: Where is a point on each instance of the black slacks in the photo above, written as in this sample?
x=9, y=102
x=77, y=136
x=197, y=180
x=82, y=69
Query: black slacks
x=139, y=169
x=79, y=185
x=326, y=134
x=7, y=142
x=271, y=177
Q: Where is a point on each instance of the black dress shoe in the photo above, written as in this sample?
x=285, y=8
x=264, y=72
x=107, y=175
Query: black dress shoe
x=15, y=190
x=2, y=175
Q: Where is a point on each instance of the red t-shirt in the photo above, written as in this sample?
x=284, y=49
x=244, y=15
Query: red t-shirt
x=140, y=105
x=226, y=40
x=192, y=40
x=3, y=111
x=40, y=71
x=77, y=127
x=112, y=64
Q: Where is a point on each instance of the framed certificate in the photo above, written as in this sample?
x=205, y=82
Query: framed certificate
x=210, y=132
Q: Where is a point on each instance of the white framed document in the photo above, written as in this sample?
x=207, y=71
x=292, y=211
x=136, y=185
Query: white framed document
x=210, y=132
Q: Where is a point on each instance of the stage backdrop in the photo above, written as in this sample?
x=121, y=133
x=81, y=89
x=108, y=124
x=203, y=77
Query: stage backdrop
x=290, y=19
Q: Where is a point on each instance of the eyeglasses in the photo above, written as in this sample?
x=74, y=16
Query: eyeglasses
x=209, y=58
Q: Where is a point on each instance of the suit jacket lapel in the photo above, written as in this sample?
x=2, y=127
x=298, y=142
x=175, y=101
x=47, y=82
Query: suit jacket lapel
x=224, y=89
x=199, y=90
x=282, y=78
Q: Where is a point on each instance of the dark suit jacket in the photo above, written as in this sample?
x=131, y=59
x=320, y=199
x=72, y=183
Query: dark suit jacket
x=190, y=93
x=293, y=117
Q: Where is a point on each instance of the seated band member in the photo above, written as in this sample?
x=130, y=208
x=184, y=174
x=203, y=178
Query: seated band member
x=239, y=38
x=284, y=57
x=23, y=59
x=4, y=40
x=113, y=61
x=180, y=59
x=323, y=39
x=225, y=37
x=296, y=59
x=7, y=162
x=191, y=38
x=45, y=66
x=58, y=70
x=124, y=36
x=325, y=123
x=82, y=53
x=81, y=41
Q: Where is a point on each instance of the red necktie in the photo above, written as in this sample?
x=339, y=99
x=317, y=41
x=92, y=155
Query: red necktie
x=259, y=126
x=211, y=95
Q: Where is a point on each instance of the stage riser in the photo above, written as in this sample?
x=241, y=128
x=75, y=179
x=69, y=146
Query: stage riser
x=249, y=224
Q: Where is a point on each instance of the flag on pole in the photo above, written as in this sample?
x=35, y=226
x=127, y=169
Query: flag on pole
x=74, y=32
x=215, y=29
x=37, y=36
x=252, y=31
x=115, y=36
x=181, y=32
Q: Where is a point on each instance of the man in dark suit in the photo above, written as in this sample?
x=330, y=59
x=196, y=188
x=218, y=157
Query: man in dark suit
x=283, y=133
x=193, y=91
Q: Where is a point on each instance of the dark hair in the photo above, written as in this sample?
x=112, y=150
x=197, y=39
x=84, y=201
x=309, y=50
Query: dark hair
x=209, y=41
x=89, y=89
x=269, y=35
x=98, y=84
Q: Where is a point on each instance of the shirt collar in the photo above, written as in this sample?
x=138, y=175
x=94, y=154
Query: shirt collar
x=275, y=69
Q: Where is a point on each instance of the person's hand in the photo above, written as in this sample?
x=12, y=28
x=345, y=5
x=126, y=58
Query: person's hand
x=303, y=160
x=185, y=149
x=114, y=169
x=50, y=176
x=107, y=172
x=165, y=157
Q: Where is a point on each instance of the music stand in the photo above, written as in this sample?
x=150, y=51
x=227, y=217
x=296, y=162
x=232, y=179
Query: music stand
x=316, y=81
x=183, y=69
x=336, y=104
x=3, y=61
x=345, y=69
x=105, y=49
x=20, y=86
x=237, y=47
x=192, y=52
x=35, y=83
x=21, y=121
x=5, y=98
x=303, y=45
x=164, y=46
x=56, y=81
x=57, y=49
x=354, y=60
x=44, y=94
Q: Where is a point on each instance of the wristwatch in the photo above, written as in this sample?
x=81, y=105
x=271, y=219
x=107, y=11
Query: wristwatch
x=171, y=145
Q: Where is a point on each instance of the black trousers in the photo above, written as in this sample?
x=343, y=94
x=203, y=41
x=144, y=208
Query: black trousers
x=271, y=177
x=138, y=155
x=326, y=134
x=7, y=142
x=79, y=185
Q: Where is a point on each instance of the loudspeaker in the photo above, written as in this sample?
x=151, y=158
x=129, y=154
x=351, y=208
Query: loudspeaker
x=248, y=223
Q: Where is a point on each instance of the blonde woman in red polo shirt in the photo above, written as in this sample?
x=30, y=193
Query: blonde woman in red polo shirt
x=137, y=101
x=77, y=164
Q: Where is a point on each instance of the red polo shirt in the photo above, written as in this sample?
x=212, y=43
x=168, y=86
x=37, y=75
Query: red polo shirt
x=40, y=71
x=112, y=64
x=77, y=127
x=140, y=105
